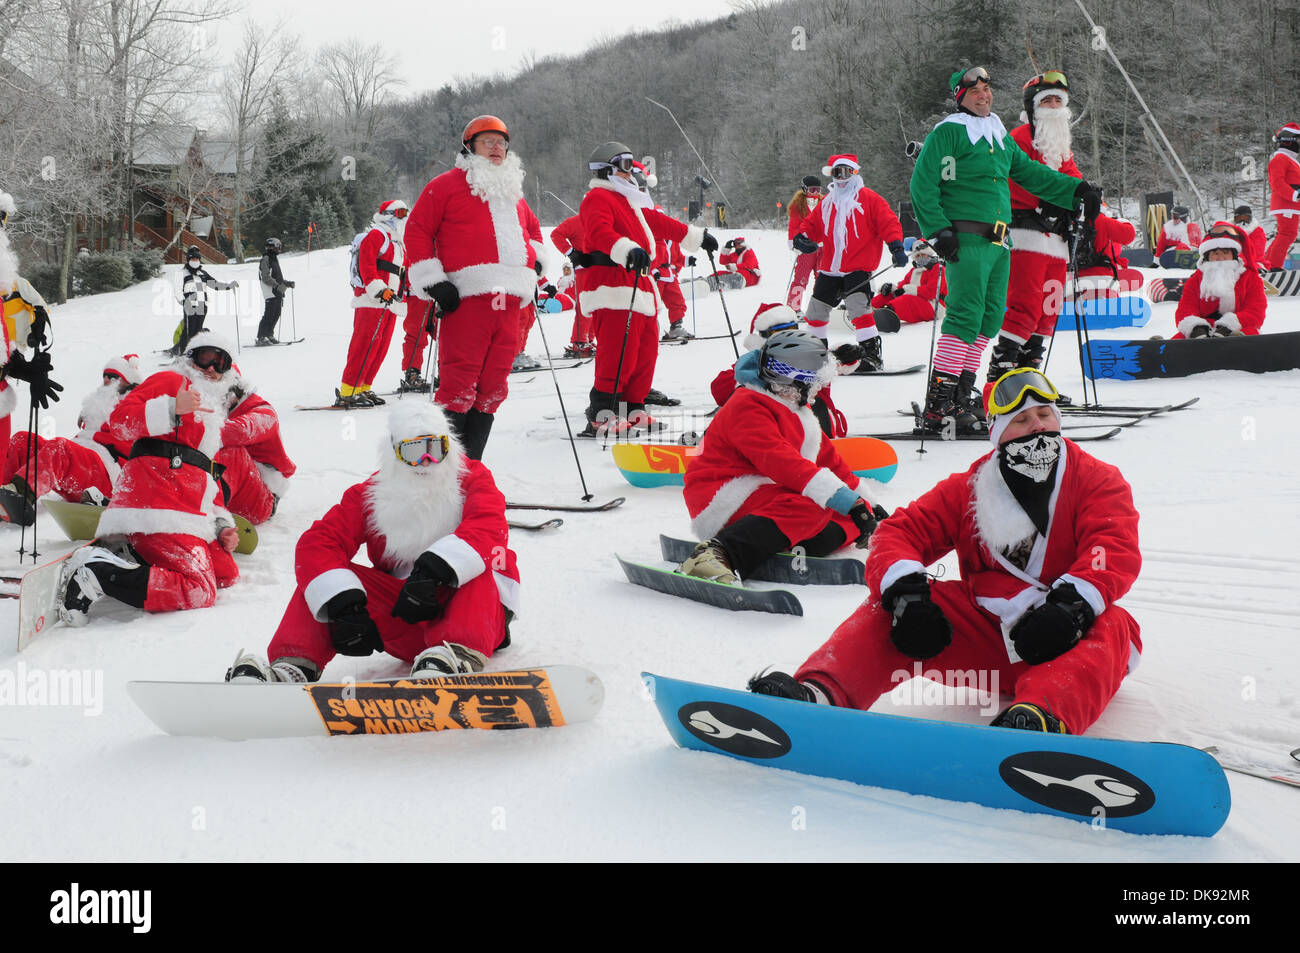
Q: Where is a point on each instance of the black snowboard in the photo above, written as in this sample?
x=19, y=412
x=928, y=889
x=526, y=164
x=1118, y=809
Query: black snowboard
x=1142, y=359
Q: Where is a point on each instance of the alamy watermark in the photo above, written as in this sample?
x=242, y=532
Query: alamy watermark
x=58, y=687
x=931, y=686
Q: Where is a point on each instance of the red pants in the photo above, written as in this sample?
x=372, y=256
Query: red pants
x=859, y=664
x=184, y=571
x=1034, y=294
x=674, y=301
x=639, y=359
x=1288, y=227
x=62, y=467
x=415, y=328
x=476, y=347
x=249, y=496
x=472, y=616
x=372, y=332
x=804, y=266
x=909, y=308
x=527, y=318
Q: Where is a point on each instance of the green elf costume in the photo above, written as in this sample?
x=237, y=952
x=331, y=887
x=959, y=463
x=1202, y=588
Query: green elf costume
x=962, y=202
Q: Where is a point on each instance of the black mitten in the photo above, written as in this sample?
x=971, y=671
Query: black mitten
x=418, y=600
x=352, y=630
x=1054, y=627
x=920, y=630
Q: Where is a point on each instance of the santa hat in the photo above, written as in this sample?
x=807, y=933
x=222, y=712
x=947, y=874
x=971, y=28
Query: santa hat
x=1236, y=242
x=922, y=249
x=844, y=158
x=1290, y=131
x=651, y=180
x=392, y=207
x=127, y=367
x=767, y=319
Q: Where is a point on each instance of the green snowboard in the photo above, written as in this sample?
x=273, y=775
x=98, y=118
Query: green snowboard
x=81, y=520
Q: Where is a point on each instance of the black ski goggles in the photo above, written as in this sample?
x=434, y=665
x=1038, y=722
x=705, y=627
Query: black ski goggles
x=211, y=357
x=419, y=451
x=623, y=163
x=843, y=172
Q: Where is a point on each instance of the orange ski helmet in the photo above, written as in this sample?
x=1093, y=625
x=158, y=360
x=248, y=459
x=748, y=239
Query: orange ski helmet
x=480, y=124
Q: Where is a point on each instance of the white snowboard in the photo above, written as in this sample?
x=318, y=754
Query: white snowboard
x=526, y=698
x=38, y=600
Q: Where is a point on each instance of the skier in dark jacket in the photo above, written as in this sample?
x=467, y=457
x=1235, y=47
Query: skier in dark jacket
x=273, y=287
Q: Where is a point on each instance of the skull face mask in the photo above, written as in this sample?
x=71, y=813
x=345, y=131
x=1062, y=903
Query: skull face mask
x=1028, y=465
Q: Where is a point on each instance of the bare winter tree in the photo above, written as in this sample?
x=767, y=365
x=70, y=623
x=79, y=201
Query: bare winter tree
x=362, y=80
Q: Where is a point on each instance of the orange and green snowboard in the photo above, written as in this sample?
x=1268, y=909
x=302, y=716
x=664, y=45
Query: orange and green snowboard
x=653, y=464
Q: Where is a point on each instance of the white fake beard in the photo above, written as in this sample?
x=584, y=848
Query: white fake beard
x=8, y=264
x=494, y=183
x=1177, y=231
x=98, y=406
x=1052, y=135
x=413, y=507
x=1219, y=280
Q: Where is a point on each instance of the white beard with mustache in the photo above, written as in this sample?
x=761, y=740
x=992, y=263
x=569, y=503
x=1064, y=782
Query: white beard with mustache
x=494, y=183
x=1052, y=135
x=1219, y=280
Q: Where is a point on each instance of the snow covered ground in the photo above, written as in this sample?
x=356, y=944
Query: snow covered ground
x=1218, y=601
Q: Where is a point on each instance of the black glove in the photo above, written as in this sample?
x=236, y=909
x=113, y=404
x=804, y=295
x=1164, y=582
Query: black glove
x=866, y=520
x=1090, y=197
x=1054, y=627
x=445, y=295
x=900, y=256
x=40, y=321
x=847, y=353
x=418, y=600
x=729, y=243
x=291, y=284
x=36, y=373
x=691, y=261
x=920, y=630
x=945, y=244
x=638, y=259
x=537, y=267
x=709, y=244
x=887, y=288
x=551, y=290
x=804, y=244
x=352, y=630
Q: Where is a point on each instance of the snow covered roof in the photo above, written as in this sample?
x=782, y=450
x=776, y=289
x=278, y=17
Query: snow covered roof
x=219, y=155
x=162, y=145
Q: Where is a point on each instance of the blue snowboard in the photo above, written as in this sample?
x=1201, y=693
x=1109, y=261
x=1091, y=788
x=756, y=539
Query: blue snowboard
x=1135, y=786
x=1126, y=311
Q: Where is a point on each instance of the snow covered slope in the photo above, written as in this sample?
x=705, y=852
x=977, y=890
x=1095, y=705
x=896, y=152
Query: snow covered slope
x=1218, y=601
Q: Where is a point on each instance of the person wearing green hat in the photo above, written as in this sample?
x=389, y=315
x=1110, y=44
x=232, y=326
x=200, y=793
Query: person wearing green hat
x=961, y=197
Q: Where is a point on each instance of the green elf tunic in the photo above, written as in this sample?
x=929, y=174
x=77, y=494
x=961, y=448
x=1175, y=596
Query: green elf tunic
x=962, y=173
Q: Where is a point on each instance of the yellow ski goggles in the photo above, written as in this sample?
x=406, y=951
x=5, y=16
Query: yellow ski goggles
x=1014, y=387
x=418, y=451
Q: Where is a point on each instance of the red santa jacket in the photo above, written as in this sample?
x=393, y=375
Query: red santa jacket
x=1035, y=240
x=1284, y=183
x=1244, y=308
x=928, y=284
x=151, y=495
x=796, y=224
x=568, y=235
x=669, y=260
x=872, y=226
x=254, y=425
x=381, y=262
x=1112, y=234
x=612, y=226
x=1092, y=537
x=1178, y=236
x=481, y=246
x=756, y=439
x=472, y=537
x=1258, y=240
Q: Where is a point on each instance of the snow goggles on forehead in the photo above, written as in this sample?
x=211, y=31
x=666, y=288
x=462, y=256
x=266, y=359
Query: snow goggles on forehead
x=973, y=76
x=211, y=357
x=1014, y=388
x=1052, y=78
x=418, y=451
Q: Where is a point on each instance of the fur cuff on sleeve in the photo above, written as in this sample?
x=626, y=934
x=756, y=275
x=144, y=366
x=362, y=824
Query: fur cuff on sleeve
x=425, y=274
x=1191, y=323
x=1229, y=321
x=621, y=249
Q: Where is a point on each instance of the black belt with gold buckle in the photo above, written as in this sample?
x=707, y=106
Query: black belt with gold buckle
x=995, y=233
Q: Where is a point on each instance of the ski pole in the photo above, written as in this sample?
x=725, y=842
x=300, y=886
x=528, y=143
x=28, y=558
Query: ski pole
x=238, y=347
x=725, y=312
x=1080, y=321
x=929, y=375
x=293, y=309
x=694, y=329
x=627, y=330
x=541, y=326
x=33, y=420
x=431, y=362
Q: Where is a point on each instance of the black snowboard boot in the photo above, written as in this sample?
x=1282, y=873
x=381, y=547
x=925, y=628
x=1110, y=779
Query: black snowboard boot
x=872, y=357
x=1029, y=717
x=780, y=685
x=17, y=502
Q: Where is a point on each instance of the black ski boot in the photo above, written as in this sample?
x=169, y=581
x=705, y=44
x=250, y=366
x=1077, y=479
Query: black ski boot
x=941, y=410
x=17, y=502
x=1004, y=357
x=478, y=425
x=970, y=401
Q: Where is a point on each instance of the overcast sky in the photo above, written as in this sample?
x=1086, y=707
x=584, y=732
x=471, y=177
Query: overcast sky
x=434, y=41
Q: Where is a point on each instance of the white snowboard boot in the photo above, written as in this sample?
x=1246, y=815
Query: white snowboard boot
x=450, y=658
x=80, y=585
x=250, y=668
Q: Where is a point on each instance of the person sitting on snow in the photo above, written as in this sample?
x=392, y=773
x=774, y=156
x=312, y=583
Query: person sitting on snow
x=1033, y=605
x=80, y=469
x=257, y=466
x=739, y=259
x=915, y=298
x=767, y=478
x=1225, y=295
x=440, y=583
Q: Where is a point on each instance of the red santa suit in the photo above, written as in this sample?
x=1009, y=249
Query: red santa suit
x=665, y=268
x=1039, y=257
x=1258, y=240
x=257, y=466
x=472, y=227
x=1240, y=310
x=615, y=220
x=416, y=329
x=568, y=237
x=166, y=502
x=914, y=300
x=1284, y=204
x=975, y=514
x=741, y=260
x=381, y=261
x=1178, y=236
x=1103, y=271
x=806, y=262
x=461, y=518
x=764, y=457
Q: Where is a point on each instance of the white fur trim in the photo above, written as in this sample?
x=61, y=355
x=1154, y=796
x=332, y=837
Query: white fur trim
x=1229, y=321
x=622, y=248
x=326, y=586
x=460, y=556
x=377, y=285
x=1190, y=323
x=8, y=399
x=542, y=254
x=160, y=415
x=1000, y=520
x=507, y=591
x=425, y=274
x=494, y=278
x=724, y=504
x=617, y=298
x=1090, y=593
x=397, y=306
x=274, y=480
x=904, y=567
x=126, y=520
x=1039, y=243
x=823, y=486
x=694, y=237
x=1219, y=241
